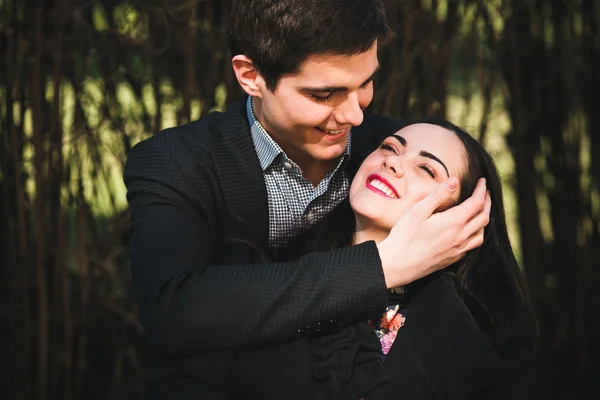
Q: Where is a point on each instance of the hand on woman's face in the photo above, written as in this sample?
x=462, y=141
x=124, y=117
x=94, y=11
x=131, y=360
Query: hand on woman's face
x=403, y=170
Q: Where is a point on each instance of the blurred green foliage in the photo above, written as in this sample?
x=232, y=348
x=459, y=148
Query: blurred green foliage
x=82, y=81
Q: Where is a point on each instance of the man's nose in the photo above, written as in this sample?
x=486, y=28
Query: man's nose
x=349, y=112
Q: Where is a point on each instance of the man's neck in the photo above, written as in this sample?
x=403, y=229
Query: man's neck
x=316, y=170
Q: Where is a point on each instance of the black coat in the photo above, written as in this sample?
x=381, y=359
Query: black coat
x=440, y=353
x=193, y=190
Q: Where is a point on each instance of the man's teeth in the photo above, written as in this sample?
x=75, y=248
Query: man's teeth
x=383, y=187
x=336, y=132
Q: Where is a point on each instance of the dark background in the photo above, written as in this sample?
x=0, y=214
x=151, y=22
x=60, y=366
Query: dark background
x=81, y=81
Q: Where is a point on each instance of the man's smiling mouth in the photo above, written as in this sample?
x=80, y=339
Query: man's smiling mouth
x=332, y=132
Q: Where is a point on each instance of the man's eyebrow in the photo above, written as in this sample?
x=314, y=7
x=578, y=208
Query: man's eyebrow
x=422, y=153
x=328, y=89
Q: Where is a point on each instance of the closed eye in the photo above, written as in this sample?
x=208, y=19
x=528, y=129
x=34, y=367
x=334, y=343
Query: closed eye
x=366, y=84
x=320, y=99
x=329, y=96
x=385, y=146
x=428, y=169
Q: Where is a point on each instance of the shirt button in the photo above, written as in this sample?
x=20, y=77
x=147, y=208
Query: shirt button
x=287, y=165
x=310, y=216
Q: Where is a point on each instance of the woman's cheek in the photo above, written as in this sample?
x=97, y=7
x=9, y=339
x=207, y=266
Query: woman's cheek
x=416, y=193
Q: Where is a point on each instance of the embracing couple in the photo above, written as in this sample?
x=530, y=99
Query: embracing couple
x=294, y=247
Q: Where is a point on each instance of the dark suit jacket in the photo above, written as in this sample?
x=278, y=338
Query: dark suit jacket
x=191, y=190
x=440, y=353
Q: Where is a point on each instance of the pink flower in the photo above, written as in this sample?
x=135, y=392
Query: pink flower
x=387, y=340
x=388, y=317
x=396, y=322
x=390, y=323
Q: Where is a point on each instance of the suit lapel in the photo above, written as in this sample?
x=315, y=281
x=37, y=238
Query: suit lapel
x=241, y=176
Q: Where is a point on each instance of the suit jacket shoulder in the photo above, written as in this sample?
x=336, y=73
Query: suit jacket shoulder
x=187, y=144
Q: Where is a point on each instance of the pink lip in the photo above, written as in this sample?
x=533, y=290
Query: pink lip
x=382, y=179
x=334, y=138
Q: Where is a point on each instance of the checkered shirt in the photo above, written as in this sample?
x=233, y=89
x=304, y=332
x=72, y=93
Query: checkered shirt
x=294, y=203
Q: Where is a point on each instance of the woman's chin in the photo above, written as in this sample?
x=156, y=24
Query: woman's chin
x=376, y=217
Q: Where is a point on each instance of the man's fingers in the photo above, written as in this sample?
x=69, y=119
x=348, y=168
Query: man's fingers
x=437, y=197
x=472, y=206
x=474, y=241
x=480, y=220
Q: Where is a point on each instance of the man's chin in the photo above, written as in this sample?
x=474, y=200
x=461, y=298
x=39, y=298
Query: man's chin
x=328, y=153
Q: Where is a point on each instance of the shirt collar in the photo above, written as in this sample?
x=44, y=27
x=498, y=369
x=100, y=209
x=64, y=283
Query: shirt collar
x=266, y=148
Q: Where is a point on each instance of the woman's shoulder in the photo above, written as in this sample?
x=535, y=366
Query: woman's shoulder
x=455, y=357
x=441, y=324
x=516, y=378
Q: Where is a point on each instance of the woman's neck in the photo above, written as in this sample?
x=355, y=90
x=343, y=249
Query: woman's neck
x=364, y=233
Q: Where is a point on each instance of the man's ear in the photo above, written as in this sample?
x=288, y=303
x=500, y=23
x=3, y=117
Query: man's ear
x=247, y=75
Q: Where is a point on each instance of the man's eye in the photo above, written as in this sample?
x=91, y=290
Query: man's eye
x=321, y=98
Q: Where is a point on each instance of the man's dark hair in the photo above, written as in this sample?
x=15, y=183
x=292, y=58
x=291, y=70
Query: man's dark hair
x=279, y=35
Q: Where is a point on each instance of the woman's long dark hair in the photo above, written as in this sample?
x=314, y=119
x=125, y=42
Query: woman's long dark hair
x=488, y=278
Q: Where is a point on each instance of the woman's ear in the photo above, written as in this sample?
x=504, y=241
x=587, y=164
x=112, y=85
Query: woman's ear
x=247, y=76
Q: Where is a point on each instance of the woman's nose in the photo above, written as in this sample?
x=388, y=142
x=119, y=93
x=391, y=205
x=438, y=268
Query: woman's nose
x=394, y=165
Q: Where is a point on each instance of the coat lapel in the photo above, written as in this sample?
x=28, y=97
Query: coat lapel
x=241, y=177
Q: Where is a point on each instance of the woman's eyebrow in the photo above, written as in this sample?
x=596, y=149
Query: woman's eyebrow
x=400, y=139
x=429, y=155
x=422, y=152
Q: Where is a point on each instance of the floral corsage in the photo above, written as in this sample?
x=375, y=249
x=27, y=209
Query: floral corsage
x=389, y=325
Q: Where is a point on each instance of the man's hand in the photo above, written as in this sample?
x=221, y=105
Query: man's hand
x=423, y=242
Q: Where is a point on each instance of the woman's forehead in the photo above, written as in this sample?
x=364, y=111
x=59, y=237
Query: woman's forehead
x=438, y=141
